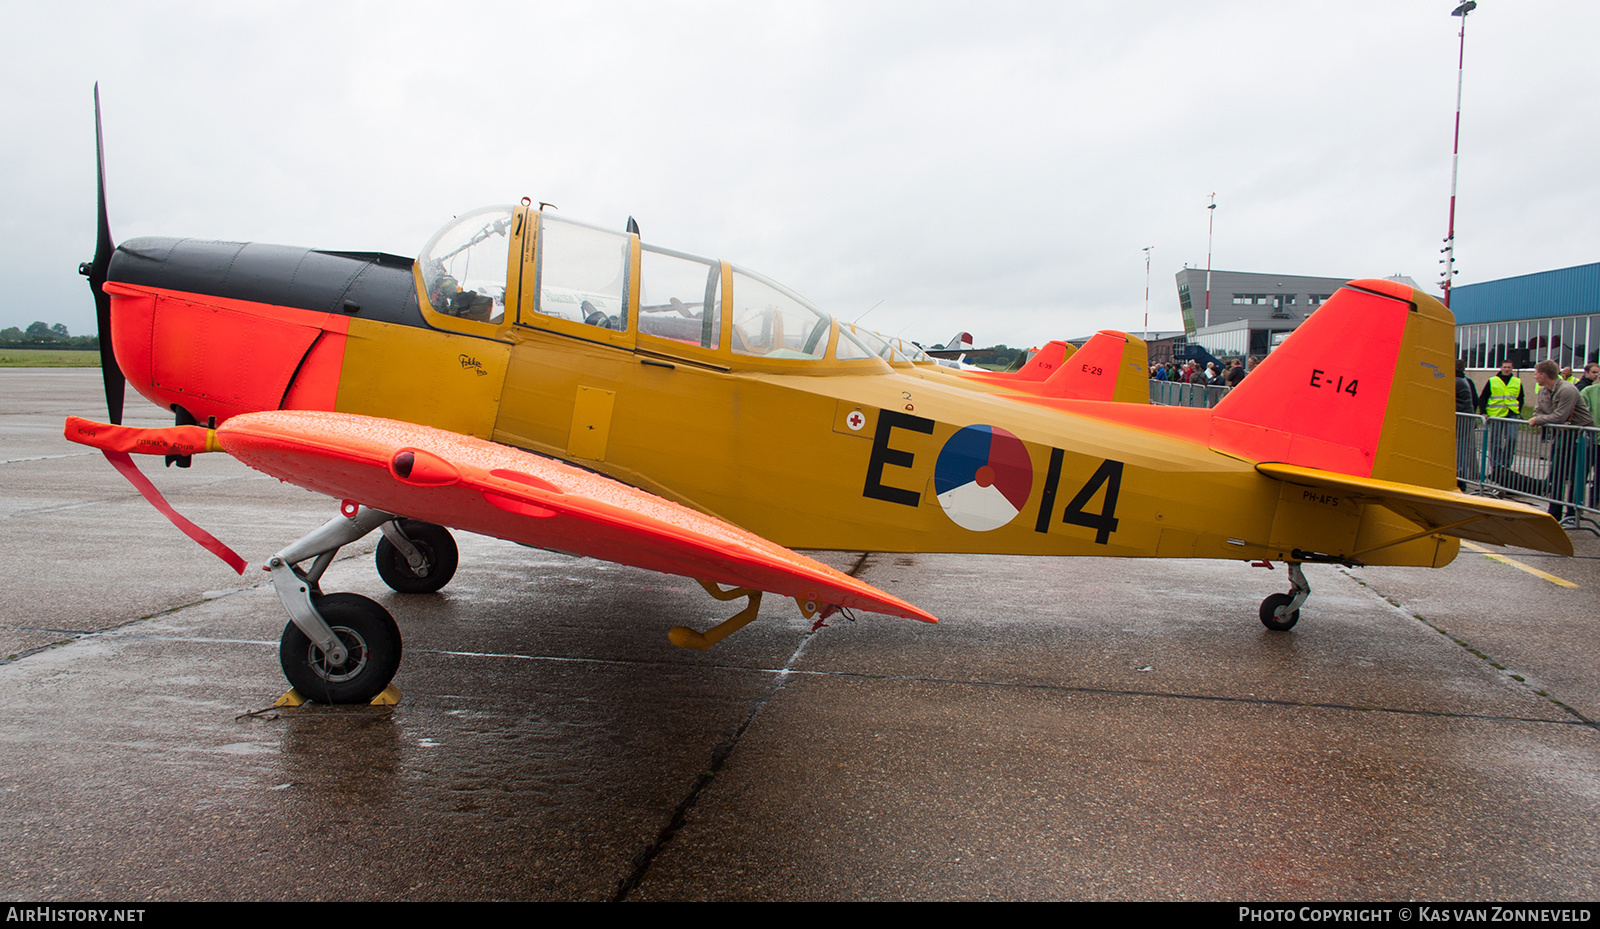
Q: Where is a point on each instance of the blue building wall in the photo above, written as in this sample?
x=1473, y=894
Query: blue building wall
x=1563, y=292
x=1552, y=314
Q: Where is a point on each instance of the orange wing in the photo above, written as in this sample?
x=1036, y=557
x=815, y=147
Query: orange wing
x=492, y=489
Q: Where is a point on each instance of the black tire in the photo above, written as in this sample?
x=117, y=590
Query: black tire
x=1269, y=607
x=436, y=545
x=370, y=635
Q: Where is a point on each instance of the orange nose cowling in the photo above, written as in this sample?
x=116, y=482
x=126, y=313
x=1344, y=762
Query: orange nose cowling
x=221, y=328
x=217, y=357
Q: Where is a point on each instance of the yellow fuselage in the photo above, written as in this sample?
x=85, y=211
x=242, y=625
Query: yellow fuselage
x=775, y=452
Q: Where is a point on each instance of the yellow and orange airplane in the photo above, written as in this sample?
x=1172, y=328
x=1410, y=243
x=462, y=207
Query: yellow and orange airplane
x=571, y=387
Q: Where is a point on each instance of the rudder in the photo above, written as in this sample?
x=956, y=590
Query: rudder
x=1046, y=361
x=1363, y=387
x=1110, y=366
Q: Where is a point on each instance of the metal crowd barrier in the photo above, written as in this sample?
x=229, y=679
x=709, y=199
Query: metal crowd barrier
x=1173, y=393
x=1558, y=465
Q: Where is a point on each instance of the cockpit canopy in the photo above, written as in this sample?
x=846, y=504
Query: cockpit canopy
x=911, y=350
x=577, y=278
x=885, y=347
x=463, y=266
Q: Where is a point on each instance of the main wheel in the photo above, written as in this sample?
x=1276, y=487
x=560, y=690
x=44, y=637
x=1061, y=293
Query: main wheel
x=436, y=545
x=1269, y=609
x=369, y=635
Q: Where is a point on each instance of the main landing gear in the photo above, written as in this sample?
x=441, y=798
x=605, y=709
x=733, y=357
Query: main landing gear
x=1280, y=612
x=345, y=648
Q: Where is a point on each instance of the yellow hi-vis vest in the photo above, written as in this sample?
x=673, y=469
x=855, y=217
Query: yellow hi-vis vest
x=1503, y=396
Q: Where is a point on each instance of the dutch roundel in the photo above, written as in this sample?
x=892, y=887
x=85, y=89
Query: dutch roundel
x=983, y=477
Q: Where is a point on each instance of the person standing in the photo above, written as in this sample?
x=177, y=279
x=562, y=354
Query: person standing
x=1501, y=401
x=1589, y=393
x=1558, y=404
x=1466, y=428
x=1466, y=391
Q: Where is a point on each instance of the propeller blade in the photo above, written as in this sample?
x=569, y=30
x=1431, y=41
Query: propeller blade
x=116, y=384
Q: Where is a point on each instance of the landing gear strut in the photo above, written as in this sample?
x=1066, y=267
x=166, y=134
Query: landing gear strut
x=345, y=648
x=1280, y=612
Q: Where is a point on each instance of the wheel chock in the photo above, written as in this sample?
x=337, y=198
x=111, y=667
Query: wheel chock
x=292, y=698
x=389, y=697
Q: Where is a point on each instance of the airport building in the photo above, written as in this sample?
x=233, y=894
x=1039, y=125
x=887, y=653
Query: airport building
x=1250, y=313
x=1525, y=319
x=1161, y=345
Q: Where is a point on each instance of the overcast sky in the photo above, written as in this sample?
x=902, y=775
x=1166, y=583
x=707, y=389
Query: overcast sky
x=996, y=168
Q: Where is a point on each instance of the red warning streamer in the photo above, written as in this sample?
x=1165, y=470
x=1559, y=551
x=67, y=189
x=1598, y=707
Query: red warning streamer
x=124, y=463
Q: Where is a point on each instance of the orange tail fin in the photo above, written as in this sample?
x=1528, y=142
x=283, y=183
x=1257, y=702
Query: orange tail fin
x=1046, y=361
x=1110, y=366
x=1363, y=387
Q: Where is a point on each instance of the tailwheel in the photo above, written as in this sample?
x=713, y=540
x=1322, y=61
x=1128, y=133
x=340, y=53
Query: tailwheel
x=1269, y=613
x=370, y=638
x=435, y=558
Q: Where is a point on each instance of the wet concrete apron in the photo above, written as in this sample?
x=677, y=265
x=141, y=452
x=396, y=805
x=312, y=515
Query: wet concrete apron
x=1072, y=729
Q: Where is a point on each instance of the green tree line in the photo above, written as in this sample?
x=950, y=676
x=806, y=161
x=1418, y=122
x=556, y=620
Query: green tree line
x=44, y=335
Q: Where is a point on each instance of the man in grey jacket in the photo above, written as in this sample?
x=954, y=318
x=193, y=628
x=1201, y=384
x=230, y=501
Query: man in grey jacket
x=1557, y=404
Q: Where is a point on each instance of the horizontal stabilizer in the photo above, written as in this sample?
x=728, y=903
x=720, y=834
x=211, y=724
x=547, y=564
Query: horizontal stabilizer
x=1447, y=512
